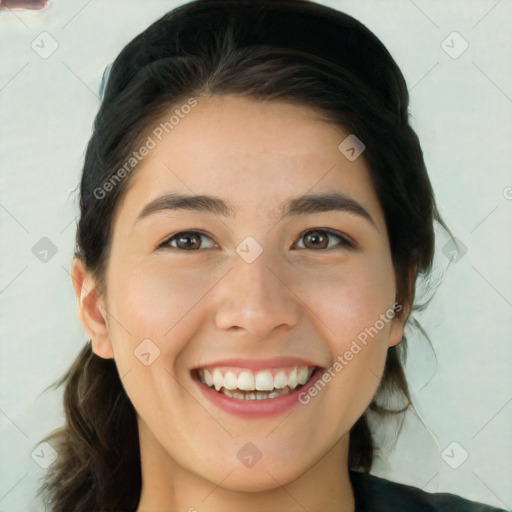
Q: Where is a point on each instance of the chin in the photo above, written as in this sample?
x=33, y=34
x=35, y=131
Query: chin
x=259, y=478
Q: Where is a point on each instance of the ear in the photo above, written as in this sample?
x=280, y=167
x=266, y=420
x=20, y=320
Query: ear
x=398, y=323
x=403, y=310
x=91, y=309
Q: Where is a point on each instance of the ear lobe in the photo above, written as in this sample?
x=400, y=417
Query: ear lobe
x=91, y=309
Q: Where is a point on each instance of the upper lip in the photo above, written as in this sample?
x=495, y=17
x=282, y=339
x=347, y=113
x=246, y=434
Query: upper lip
x=259, y=364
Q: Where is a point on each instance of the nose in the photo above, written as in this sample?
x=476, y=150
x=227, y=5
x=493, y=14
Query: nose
x=256, y=298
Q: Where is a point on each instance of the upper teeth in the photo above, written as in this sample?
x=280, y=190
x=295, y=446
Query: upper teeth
x=249, y=380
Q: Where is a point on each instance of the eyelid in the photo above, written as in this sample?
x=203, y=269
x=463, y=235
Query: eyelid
x=165, y=244
x=346, y=241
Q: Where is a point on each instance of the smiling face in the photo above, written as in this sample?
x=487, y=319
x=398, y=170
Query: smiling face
x=240, y=290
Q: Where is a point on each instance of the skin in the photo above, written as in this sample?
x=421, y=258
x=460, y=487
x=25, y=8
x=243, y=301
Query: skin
x=200, y=306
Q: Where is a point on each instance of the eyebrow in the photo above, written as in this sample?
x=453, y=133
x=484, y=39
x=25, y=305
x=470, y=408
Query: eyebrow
x=303, y=205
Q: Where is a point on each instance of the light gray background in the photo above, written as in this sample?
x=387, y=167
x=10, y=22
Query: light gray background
x=461, y=109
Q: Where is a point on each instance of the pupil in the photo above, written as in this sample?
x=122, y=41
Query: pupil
x=315, y=238
x=186, y=240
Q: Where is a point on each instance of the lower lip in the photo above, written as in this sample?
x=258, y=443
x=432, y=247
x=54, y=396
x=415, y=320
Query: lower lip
x=256, y=408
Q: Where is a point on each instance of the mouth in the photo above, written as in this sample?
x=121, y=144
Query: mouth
x=254, y=393
x=248, y=384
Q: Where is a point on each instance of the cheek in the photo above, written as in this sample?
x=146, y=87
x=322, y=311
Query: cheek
x=350, y=298
x=356, y=304
x=153, y=301
x=158, y=303
x=150, y=302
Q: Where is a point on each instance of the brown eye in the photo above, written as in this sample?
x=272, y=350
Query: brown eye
x=185, y=240
x=320, y=239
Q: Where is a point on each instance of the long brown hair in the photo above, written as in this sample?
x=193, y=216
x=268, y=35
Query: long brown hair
x=295, y=51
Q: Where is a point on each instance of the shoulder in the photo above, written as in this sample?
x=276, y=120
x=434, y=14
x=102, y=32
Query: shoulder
x=376, y=494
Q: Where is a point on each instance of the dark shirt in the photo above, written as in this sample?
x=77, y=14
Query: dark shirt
x=373, y=494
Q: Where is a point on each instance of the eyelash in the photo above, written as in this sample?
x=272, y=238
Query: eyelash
x=345, y=242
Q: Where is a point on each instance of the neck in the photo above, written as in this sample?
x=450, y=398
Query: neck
x=169, y=487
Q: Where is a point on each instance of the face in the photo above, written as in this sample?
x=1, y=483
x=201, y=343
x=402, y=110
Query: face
x=284, y=304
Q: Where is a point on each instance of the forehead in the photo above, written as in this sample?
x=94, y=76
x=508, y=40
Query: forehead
x=255, y=153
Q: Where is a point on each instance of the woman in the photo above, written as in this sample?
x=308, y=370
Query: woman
x=255, y=211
